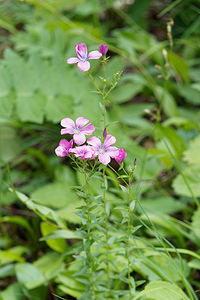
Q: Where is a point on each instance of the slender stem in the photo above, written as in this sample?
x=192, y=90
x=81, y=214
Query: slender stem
x=94, y=83
x=118, y=175
x=128, y=238
x=128, y=185
x=106, y=232
x=89, y=254
x=104, y=89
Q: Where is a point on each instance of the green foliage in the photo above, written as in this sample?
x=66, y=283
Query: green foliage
x=154, y=114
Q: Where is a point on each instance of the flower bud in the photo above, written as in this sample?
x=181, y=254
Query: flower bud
x=103, y=49
x=104, y=133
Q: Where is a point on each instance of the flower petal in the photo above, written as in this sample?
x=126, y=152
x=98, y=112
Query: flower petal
x=104, y=158
x=71, y=143
x=81, y=50
x=94, y=55
x=61, y=151
x=112, y=152
x=73, y=60
x=121, y=156
x=79, y=138
x=64, y=143
x=80, y=122
x=109, y=141
x=67, y=122
x=88, y=129
x=67, y=131
x=95, y=142
x=83, y=66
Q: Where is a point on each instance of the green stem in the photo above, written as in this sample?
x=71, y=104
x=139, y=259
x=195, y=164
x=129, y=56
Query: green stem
x=106, y=233
x=104, y=89
x=89, y=254
x=94, y=83
x=119, y=175
x=128, y=240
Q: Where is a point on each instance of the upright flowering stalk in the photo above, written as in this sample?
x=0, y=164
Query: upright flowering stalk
x=101, y=151
x=131, y=206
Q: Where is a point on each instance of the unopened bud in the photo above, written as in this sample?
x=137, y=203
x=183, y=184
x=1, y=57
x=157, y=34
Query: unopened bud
x=104, y=133
x=103, y=49
x=135, y=161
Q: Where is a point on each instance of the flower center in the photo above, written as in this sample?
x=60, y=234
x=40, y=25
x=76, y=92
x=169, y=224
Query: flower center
x=83, y=58
x=101, y=150
x=76, y=130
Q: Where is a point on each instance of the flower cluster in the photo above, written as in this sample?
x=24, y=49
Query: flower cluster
x=94, y=148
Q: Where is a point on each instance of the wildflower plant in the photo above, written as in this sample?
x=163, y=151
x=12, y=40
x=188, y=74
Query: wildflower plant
x=91, y=156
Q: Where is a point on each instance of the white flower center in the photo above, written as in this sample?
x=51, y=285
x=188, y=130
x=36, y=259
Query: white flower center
x=76, y=130
x=101, y=150
x=83, y=58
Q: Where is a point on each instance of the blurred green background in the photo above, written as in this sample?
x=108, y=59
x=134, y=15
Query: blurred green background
x=153, y=112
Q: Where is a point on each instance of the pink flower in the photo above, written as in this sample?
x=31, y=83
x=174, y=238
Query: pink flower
x=122, y=155
x=83, y=56
x=106, y=151
x=103, y=49
x=84, y=152
x=79, y=130
x=64, y=147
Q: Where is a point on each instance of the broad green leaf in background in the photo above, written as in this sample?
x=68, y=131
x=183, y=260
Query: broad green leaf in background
x=191, y=95
x=10, y=144
x=13, y=292
x=196, y=223
x=55, y=264
x=24, y=79
x=7, y=270
x=161, y=290
x=61, y=234
x=44, y=211
x=192, y=175
x=57, y=245
x=7, y=105
x=126, y=91
x=169, y=140
x=162, y=204
x=30, y=108
x=69, y=284
x=29, y=276
x=179, y=65
x=5, y=81
x=12, y=254
x=162, y=155
x=191, y=155
x=58, y=108
x=55, y=195
x=167, y=102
